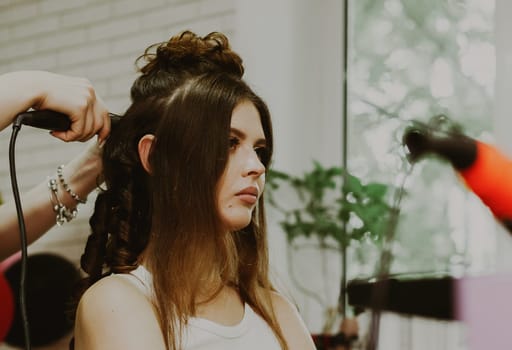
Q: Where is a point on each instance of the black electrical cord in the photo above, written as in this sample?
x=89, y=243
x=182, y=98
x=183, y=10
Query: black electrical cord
x=16, y=126
x=42, y=119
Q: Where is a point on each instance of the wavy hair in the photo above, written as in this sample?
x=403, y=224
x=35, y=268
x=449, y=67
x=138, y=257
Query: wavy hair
x=166, y=65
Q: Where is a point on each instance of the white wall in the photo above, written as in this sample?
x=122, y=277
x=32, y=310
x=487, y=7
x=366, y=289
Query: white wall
x=293, y=57
x=503, y=115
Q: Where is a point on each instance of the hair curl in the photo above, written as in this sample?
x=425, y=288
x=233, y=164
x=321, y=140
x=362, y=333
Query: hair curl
x=164, y=66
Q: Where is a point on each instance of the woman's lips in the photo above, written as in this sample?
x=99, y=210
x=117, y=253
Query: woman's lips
x=247, y=198
x=249, y=195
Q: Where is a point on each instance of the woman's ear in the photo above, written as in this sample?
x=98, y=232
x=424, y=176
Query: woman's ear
x=144, y=147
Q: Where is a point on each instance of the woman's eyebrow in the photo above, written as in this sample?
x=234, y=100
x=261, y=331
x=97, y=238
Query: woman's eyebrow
x=242, y=135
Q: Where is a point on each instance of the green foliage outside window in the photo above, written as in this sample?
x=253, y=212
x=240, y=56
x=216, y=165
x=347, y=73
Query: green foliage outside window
x=410, y=60
x=331, y=204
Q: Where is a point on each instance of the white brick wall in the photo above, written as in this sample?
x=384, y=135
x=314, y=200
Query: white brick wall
x=96, y=39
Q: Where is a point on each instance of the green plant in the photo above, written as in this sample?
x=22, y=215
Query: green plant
x=332, y=203
x=331, y=207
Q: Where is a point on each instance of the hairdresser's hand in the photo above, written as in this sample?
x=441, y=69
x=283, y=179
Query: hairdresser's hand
x=76, y=98
x=72, y=96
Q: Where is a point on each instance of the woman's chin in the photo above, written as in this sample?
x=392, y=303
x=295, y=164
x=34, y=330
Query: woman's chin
x=238, y=223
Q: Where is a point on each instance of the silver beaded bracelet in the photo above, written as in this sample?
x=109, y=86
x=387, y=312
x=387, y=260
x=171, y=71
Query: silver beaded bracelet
x=64, y=184
x=63, y=214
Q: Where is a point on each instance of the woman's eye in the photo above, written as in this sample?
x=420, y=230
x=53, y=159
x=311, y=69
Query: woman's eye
x=233, y=142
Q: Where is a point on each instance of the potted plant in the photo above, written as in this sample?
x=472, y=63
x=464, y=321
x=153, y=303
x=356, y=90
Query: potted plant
x=331, y=209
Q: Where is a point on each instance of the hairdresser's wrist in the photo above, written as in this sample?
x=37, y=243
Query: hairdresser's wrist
x=82, y=175
x=27, y=86
x=32, y=85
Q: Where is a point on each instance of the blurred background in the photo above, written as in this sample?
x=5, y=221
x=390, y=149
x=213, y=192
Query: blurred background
x=405, y=60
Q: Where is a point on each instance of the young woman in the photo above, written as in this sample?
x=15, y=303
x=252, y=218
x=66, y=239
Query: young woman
x=178, y=240
x=75, y=97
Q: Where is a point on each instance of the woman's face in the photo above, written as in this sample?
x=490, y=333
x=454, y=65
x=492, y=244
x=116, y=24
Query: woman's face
x=242, y=182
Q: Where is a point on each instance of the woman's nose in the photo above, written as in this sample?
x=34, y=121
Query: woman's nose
x=254, y=166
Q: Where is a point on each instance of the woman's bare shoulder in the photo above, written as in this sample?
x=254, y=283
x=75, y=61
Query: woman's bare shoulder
x=111, y=292
x=114, y=313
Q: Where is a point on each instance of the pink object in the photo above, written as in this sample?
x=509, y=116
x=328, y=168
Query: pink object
x=484, y=304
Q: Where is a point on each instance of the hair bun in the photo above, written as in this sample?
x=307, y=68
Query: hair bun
x=190, y=52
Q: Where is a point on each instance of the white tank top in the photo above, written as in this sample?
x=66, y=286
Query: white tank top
x=252, y=333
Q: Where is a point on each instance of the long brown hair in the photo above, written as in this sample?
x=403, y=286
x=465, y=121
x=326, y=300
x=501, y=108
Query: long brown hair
x=172, y=212
x=189, y=250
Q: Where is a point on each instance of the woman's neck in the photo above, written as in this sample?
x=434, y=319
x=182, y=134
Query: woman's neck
x=226, y=307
